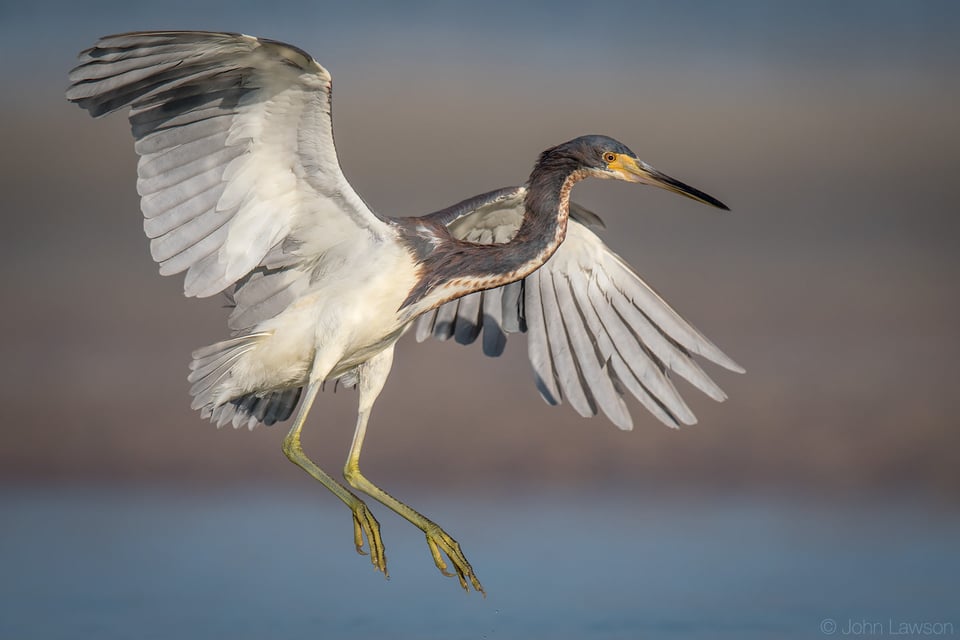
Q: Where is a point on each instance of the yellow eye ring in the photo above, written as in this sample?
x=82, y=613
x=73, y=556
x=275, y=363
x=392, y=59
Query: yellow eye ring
x=609, y=157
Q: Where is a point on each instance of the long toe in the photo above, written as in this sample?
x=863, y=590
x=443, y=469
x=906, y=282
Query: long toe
x=366, y=526
x=441, y=544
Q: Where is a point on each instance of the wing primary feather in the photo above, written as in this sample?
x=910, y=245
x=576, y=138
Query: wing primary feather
x=644, y=367
x=658, y=344
x=626, y=377
x=620, y=374
x=538, y=348
x=564, y=365
x=594, y=379
x=669, y=321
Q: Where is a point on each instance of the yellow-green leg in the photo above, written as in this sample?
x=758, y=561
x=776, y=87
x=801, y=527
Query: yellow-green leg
x=364, y=524
x=373, y=374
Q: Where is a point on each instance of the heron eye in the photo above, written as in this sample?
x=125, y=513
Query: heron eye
x=609, y=157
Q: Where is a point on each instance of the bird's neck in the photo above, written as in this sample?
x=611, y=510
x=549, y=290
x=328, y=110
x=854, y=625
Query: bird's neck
x=546, y=210
x=456, y=268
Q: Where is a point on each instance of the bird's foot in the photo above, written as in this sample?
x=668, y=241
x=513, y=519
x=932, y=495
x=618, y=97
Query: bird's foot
x=439, y=540
x=366, y=526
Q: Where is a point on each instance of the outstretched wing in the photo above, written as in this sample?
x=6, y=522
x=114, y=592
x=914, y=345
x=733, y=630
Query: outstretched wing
x=595, y=329
x=238, y=172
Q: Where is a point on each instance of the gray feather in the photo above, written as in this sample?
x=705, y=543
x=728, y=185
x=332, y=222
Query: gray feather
x=195, y=253
x=669, y=321
x=188, y=234
x=444, y=325
x=264, y=294
x=425, y=325
x=494, y=339
x=167, y=221
x=198, y=127
x=564, y=365
x=665, y=350
x=591, y=368
x=538, y=347
x=160, y=170
x=626, y=377
x=468, y=318
x=586, y=217
x=511, y=308
x=647, y=369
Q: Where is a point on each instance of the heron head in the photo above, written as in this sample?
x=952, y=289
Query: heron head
x=604, y=157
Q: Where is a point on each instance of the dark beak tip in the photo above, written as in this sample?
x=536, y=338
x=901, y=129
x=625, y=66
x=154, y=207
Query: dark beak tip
x=710, y=200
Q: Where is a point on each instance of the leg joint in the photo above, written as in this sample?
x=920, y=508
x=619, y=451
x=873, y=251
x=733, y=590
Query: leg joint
x=291, y=448
x=351, y=473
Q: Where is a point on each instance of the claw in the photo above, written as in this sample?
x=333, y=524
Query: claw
x=438, y=539
x=365, y=525
x=358, y=537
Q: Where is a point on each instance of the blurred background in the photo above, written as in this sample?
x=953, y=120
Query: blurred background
x=825, y=489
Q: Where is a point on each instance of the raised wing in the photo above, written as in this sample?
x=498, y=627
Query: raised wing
x=595, y=329
x=238, y=172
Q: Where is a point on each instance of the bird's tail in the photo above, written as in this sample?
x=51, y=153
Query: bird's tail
x=218, y=399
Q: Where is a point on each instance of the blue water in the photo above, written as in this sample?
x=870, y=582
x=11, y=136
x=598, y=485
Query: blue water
x=263, y=564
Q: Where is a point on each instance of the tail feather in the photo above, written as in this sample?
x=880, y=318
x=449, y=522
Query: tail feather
x=254, y=408
x=220, y=401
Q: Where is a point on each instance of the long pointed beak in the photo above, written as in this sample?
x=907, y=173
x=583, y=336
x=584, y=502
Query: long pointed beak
x=633, y=170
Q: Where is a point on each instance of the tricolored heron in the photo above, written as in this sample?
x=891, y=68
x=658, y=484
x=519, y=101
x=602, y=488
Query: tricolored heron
x=242, y=188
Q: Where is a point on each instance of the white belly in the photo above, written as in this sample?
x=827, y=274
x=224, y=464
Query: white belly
x=341, y=322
